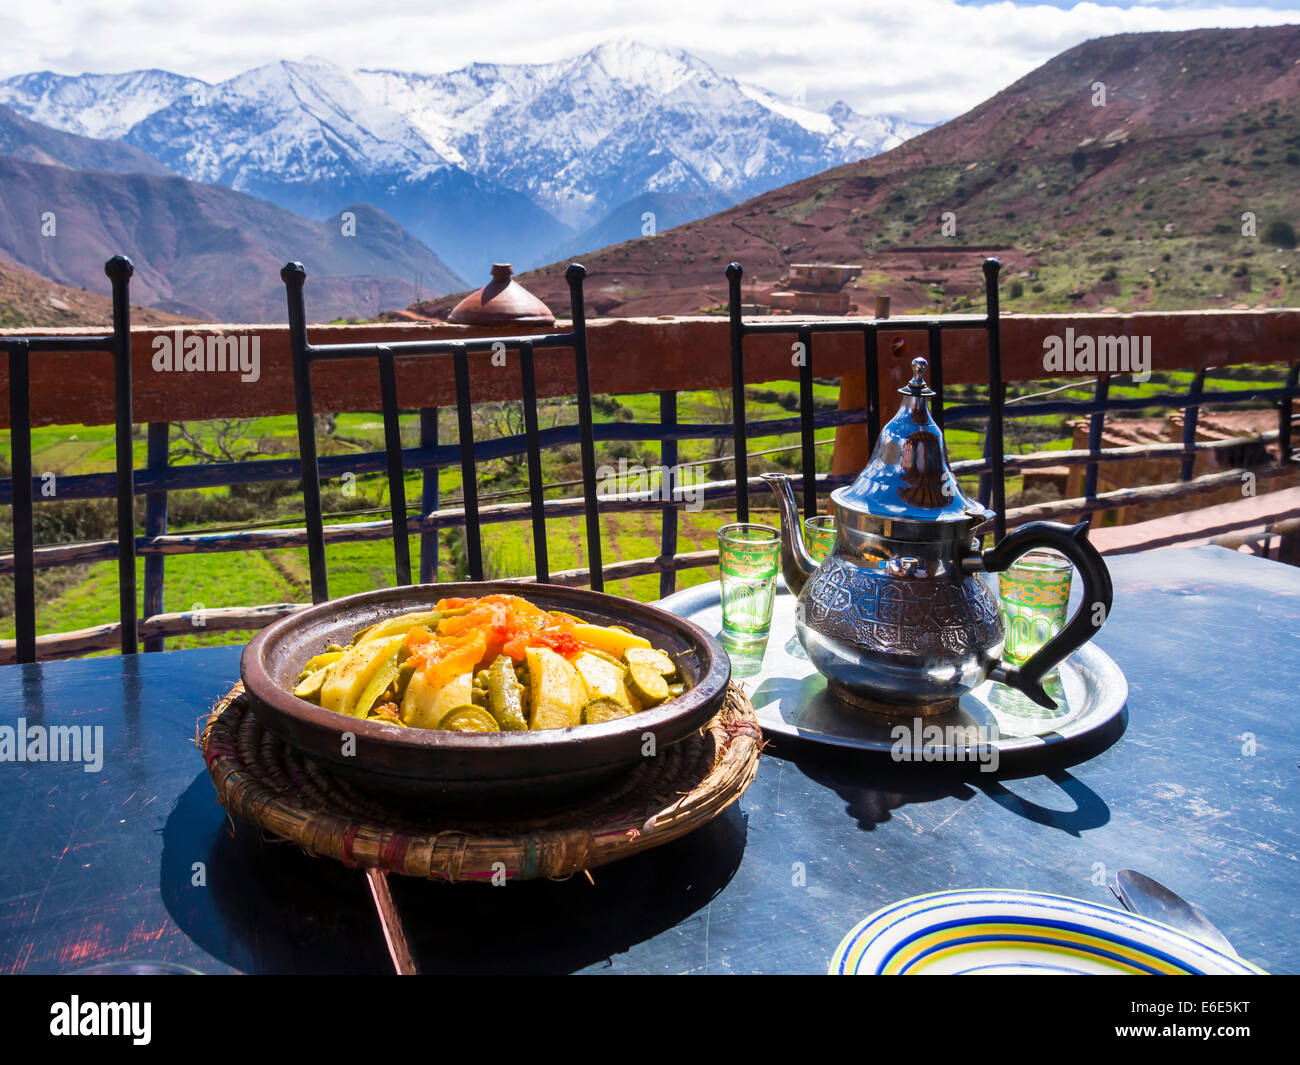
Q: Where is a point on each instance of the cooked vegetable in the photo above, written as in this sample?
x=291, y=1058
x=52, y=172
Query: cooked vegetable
x=603, y=708
x=399, y=625
x=349, y=676
x=309, y=687
x=504, y=695
x=610, y=640
x=557, y=691
x=425, y=704
x=387, y=714
x=650, y=656
x=486, y=664
x=604, y=677
x=384, y=677
x=328, y=658
x=468, y=718
x=647, y=684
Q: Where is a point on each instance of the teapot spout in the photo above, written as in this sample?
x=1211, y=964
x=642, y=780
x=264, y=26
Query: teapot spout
x=796, y=564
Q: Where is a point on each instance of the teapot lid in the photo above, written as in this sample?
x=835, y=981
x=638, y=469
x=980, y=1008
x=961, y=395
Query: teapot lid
x=908, y=477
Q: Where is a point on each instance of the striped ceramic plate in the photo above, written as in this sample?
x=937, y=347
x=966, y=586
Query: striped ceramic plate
x=991, y=931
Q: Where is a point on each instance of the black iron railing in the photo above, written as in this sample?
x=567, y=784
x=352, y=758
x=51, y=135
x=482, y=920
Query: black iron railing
x=305, y=354
x=118, y=344
x=430, y=456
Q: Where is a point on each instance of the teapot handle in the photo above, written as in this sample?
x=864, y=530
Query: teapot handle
x=1072, y=542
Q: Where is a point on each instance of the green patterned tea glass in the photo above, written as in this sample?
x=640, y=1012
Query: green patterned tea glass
x=749, y=557
x=819, y=536
x=1034, y=594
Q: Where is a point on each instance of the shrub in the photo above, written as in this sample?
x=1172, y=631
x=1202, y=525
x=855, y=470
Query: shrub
x=1280, y=234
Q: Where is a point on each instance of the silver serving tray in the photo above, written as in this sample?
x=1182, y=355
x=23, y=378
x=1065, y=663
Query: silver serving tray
x=791, y=700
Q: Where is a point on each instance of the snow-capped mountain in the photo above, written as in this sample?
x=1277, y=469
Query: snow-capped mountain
x=284, y=122
x=105, y=106
x=490, y=162
x=585, y=135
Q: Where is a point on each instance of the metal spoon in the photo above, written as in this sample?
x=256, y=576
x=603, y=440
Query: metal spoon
x=1148, y=898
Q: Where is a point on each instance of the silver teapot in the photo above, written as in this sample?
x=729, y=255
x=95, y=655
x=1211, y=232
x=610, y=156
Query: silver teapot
x=898, y=617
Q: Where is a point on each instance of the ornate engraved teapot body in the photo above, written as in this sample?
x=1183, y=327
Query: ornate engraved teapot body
x=899, y=617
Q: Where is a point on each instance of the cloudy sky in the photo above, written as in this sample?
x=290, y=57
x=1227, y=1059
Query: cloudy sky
x=923, y=59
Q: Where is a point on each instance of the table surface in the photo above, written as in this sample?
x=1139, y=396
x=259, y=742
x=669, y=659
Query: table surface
x=1195, y=785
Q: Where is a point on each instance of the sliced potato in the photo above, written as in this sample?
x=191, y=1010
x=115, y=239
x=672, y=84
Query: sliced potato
x=426, y=703
x=349, y=676
x=557, y=690
x=610, y=640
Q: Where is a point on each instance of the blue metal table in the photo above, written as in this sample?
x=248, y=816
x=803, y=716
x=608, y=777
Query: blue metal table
x=1195, y=785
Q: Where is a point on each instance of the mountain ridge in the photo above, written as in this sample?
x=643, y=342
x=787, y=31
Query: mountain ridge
x=489, y=162
x=1196, y=129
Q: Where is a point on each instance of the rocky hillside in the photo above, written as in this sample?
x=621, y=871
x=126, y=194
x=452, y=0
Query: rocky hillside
x=1155, y=170
x=28, y=300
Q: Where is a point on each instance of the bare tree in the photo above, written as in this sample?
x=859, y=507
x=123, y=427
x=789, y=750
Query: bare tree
x=225, y=440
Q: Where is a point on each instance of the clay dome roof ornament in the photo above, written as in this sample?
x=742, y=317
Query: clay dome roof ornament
x=501, y=300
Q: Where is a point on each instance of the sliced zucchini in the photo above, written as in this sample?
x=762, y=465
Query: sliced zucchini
x=647, y=685
x=652, y=657
x=468, y=718
x=604, y=677
x=309, y=687
x=603, y=708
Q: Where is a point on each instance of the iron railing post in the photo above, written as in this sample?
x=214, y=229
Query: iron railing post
x=739, y=447
x=294, y=276
x=997, y=396
x=428, y=499
x=808, y=450
x=668, y=487
x=155, y=524
x=536, y=494
x=119, y=270
x=587, y=444
x=1191, y=416
x=20, y=436
x=396, y=473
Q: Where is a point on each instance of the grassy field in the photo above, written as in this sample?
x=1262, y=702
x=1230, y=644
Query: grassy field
x=82, y=596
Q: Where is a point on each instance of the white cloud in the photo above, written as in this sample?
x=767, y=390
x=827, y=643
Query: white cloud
x=924, y=59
